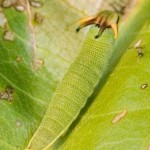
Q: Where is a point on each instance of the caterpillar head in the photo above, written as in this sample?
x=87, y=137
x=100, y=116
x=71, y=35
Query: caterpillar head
x=104, y=19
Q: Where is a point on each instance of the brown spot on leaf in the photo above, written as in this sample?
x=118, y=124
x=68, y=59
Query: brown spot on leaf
x=38, y=63
x=20, y=8
x=8, y=35
x=8, y=3
x=7, y=94
x=18, y=59
x=119, y=116
x=140, y=52
x=38, y=18
x=3, y=20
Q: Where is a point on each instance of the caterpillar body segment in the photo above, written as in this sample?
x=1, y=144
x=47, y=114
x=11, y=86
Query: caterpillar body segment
x=74, y=90
x=78, y=84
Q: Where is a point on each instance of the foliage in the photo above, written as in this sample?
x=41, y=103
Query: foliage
x=36, y=59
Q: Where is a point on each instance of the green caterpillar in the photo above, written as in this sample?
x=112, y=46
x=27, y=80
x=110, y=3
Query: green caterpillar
x=79, y=82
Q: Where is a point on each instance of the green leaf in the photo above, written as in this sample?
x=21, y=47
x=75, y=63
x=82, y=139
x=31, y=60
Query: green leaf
x=35, y=61
x=22, y=68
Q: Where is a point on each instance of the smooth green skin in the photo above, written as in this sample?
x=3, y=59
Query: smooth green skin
x=34, y=89
x=74, y=90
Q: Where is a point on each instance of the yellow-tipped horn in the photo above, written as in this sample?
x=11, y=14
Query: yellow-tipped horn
x=115, y=29
x=87, y=19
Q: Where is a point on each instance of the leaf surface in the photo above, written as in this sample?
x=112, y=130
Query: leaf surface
x=36, y=60
x=32, y=64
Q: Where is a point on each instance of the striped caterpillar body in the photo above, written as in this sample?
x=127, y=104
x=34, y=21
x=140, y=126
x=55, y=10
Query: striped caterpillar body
x=74, y=90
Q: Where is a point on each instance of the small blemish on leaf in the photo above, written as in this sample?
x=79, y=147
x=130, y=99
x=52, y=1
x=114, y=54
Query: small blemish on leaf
x=35, y=3
x=38, y=63
x=140, y=52
x=8, y=35
x=38, y=18
x=64, y=133
x=8, y=3
x=119, y=116
x=7, y=94
x=144, y=86
x=20, y=8
x=18, y=59
x=3, y=20
x=138, y=44
x=19, y=123
x=139, y=48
